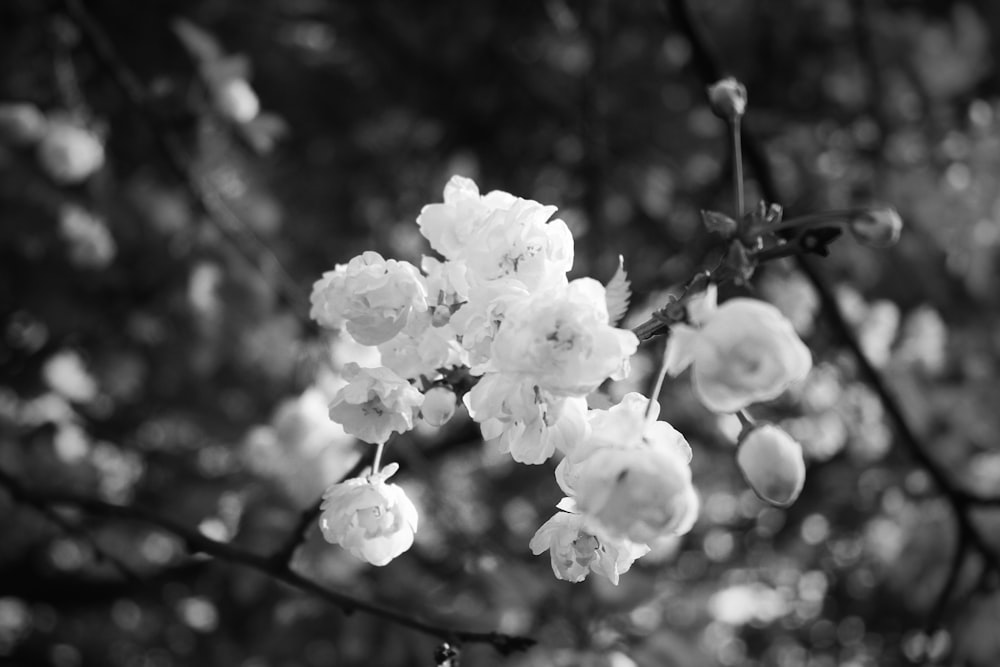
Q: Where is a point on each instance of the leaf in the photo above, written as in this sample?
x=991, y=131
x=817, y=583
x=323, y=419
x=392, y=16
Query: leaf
x=198, y=42
x=618, y=293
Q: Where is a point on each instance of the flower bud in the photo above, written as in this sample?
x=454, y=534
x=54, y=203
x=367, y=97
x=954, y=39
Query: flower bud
x=772, y=464
x=70, y=153
x=439, y=405
x=21, y=123
x=877, y=227
x=728, y=98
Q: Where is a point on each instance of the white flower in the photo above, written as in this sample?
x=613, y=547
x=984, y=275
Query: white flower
x=69, y=152
x=373, y=520
x=447, y=286
x=630, y=476
x=478, y=320
x=772, y=464
x=562, y=339
x=375, y=403
x=576, y=552
x=518, y=243
x=373, y=296
x=527, y=421
x=449, y=226
x=421, y=348
x=745, y=351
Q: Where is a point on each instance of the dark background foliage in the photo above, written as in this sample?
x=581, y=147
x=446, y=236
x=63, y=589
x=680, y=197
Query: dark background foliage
x=169, y=375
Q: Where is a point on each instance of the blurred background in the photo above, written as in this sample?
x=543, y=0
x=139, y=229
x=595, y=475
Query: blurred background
x=174, y=175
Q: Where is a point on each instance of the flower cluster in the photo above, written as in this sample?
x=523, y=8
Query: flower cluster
x=498, y=306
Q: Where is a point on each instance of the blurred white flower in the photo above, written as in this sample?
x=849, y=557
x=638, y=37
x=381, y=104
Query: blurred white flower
x=371, y=296
x=21, y=123
x=69, y=152
x=744, y=351
x=90, y=242
x=374, y=520
x=374, y=403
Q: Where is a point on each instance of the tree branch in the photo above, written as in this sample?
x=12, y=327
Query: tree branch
x=199, y=543
x=709, y=70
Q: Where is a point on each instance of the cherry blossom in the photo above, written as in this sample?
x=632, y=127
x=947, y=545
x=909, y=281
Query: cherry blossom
x=742, y=352
x=375, y=403
x=371, y=296
x=576, y=552
x=372, y=519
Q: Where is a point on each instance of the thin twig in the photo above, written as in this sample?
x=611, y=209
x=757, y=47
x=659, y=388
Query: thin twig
x=17, y=493
x=197, y=542
x=709, y=70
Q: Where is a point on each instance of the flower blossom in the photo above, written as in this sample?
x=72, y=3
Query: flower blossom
x=69, y=152
x=562, y=339
x=631, y=476
x=374, y=403
x=449, y=226
x=372, y=296
x=742, y=352
x=373, y=520
x=576, y=552
x=529, y=422
x=498, y=235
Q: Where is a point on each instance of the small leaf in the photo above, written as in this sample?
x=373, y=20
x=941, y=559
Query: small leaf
x=618, y=293
x=719, y=223
x=198, y=42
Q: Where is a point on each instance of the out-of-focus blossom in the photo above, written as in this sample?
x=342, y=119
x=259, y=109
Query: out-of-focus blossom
x=91, y=245
x=21, y=123
x=69, y=152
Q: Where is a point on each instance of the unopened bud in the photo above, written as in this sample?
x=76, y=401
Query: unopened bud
x=877, y=227
x=439, y=405
x=772, y=464
x=21, y=123
x=728, y=98
x=70, y=153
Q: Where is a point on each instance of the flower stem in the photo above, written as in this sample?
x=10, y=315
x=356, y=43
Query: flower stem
x=735, y=125
x=378, y=458
x=658, y=387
